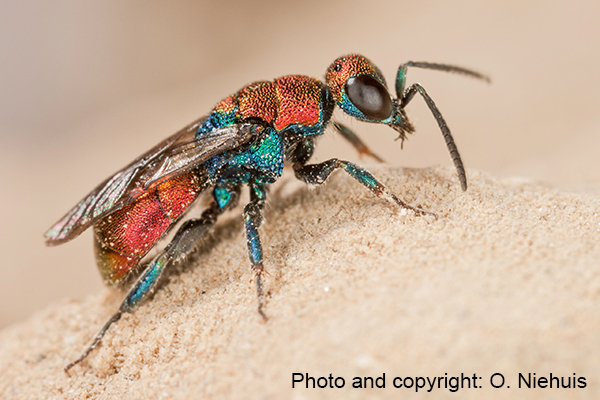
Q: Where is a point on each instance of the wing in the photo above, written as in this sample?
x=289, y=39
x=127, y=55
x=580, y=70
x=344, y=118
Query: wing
x=173, y=156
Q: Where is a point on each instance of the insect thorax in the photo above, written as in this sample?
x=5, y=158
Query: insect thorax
x=291, y=104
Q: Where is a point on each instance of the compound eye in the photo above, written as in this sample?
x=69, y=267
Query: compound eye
x=369, y=96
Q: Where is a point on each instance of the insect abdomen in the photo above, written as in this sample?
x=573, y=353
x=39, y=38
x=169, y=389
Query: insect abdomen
x=122, y=238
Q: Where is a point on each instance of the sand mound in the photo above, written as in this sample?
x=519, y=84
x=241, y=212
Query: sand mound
x=507, y=280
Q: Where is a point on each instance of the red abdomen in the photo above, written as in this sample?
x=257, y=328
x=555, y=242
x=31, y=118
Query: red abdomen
x=122, y=238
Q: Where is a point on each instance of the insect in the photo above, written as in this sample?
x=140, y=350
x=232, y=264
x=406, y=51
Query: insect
x=243, y=141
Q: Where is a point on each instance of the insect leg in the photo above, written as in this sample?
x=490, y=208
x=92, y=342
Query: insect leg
x=183, y=243
x=253, y=219
x=316, y=174
x=355, y=141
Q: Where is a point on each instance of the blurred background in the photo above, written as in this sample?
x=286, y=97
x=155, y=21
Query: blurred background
x=85, y=87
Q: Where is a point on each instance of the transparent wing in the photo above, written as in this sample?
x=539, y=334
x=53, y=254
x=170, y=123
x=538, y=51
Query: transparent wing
x=173, y=156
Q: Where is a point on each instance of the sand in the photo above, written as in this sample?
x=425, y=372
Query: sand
x=506, y=280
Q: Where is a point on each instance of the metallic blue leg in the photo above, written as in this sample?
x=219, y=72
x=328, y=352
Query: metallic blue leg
x=316, y=174
x=253, y=219
x=183, y=243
